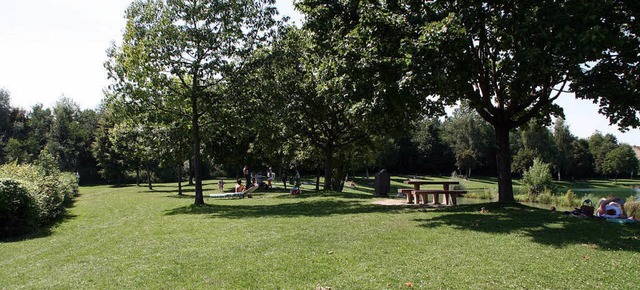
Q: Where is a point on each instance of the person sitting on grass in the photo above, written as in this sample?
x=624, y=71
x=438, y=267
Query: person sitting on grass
x=241, y=188
x=611, y=208
x=296, y=189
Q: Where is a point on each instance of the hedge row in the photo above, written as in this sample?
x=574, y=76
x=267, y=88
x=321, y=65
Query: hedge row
x=32, y=196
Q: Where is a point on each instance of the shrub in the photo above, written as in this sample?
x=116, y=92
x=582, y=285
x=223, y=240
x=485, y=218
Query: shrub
x=537, y=178
x=487, y=193
x=633, y=209
x=570, y=196
x=68, y=186
x=18, y=212
x=546, y=197
x=49, y=189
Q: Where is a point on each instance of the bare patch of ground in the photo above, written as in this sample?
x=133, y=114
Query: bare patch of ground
x=390, y=201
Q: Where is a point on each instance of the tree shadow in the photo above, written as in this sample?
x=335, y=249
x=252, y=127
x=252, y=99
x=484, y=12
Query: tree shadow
x=41, y=232
x=552, y=229
x=309, y=208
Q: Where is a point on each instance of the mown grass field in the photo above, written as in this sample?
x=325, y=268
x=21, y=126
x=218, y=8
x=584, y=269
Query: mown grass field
x=132, y=237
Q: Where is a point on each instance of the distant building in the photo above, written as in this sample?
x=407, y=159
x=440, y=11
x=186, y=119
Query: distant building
x=636, y=149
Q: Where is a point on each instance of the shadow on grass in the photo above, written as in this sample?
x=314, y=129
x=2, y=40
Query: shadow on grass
x=312, y=208
x=41, y=232
x=544, y=227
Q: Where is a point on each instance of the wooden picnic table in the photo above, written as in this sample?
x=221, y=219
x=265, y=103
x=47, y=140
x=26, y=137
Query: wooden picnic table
x=436, y=193
x=417, y=183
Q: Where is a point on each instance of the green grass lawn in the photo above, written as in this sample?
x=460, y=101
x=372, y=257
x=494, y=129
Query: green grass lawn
x=132, y=237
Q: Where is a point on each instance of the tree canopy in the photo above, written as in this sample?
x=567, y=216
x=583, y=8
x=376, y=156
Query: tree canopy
x=176, y=58
x=509, y=60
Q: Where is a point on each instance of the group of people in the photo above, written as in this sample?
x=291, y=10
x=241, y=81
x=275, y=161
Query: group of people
x=258, y=179
x=611, y=208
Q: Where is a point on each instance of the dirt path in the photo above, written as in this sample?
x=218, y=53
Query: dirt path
x=390, y=201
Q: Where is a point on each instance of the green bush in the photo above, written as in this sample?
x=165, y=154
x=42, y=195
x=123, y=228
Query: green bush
x=487, y=193
x=537, y=178
x=18, y=212
x=546, y=197
x=571, y=197
x=633, y=209
x=49, y=189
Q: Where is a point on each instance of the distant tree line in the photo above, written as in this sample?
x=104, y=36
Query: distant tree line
x=104, y=149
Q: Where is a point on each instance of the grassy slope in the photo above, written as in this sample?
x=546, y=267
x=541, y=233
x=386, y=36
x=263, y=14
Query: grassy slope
x=136, y=238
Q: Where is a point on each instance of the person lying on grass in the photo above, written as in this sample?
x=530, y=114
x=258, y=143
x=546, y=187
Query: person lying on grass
x=611, y=208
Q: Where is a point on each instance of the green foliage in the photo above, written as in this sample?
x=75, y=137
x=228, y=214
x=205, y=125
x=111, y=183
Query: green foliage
x=486, y=193
x=545, y=197
x=470, y=137
x=522, y=160
x=49, y=189
x=621, y=160
x=582, y=159
x=570, y=197
x=612, y=79
x=177, y=59
x=537, y=178
x=633, y=209
x=563, y=140
x=18, y=211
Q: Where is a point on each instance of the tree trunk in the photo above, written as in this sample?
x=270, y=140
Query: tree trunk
x=318, y=172
x=149, y=176
x=190, y=171
x=119, y=178
x=179, y=172
x=196, y=149
x=328, y=167
x=138, y=175
x=503, y=160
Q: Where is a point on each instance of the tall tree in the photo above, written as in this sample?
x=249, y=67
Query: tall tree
x=180, y=52
x=509, y=60
x=582, y=159
x=65, y=140
x=328, y=98
x=470, y=137
x=621, y=160
x=599, y=146
x=437, y=153
x=109, y=160
x=563, y=140
x=39, y=125
x=5, y=123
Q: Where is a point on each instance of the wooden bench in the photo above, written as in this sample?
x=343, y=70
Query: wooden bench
x=407, y=192
x=450, y=196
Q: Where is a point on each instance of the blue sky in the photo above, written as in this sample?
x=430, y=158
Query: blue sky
x=57, y=47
